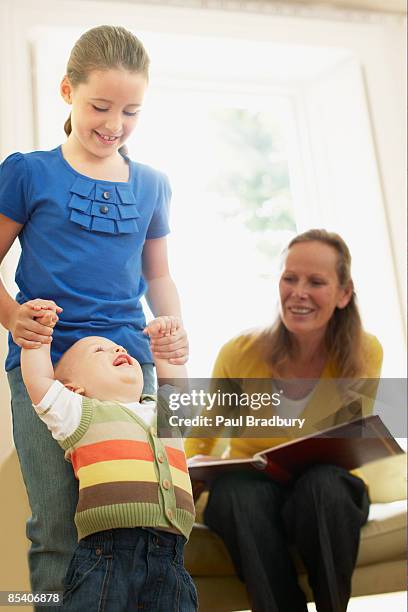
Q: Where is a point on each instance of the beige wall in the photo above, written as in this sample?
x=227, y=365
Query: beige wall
x=14, y=513
x=14, y=507
x=5, y=419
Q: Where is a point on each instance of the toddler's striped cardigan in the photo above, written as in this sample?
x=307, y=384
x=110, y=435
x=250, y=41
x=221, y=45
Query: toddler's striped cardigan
x=128, y=477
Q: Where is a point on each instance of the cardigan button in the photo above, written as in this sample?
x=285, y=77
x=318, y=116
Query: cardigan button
x=106, y=195
x=166, y=484
x=160, y=458
x=169, y=514
x=104, y=209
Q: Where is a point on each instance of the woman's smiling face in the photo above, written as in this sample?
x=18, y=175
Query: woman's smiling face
x=309, y=289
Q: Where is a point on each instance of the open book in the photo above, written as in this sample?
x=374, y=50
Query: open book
x=350, y=446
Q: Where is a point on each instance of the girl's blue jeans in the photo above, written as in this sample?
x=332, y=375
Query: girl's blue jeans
x=51, y=488
x=123, y=570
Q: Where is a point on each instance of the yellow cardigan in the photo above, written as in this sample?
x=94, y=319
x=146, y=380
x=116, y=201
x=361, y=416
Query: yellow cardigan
x=240, y=358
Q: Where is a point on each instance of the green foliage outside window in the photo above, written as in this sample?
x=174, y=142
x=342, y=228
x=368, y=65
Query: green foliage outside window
x=254, y=176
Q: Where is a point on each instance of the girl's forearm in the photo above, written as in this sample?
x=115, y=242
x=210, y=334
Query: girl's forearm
x=9, y=230
x=162, y=297
x=8, y=306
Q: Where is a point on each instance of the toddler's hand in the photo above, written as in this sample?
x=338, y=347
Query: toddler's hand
x=26, y=331
x=47, y=318
x=162, y=326
x=168, y=339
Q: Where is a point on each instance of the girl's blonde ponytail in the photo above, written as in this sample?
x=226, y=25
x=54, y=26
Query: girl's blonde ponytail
x=68, y=126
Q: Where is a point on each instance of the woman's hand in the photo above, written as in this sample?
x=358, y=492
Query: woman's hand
x=168, y=339
x=198, y=486
x=202, y=459
x=30, y=326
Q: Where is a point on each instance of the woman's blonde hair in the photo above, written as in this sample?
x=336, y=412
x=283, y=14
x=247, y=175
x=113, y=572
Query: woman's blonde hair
x=103, y=48
x=344, y=331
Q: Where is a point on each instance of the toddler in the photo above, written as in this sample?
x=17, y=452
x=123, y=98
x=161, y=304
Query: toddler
x=135, y=509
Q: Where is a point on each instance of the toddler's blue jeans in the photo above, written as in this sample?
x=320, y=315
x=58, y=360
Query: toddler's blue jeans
x=51, y=487
x=123, y=570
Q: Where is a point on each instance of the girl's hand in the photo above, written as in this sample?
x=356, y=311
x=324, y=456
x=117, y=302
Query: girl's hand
x=168, y=339
x=29, y=332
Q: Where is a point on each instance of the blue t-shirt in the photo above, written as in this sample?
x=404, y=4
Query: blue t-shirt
x=81, y=246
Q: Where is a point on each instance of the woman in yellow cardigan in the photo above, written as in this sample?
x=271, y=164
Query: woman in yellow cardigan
x=316, y=340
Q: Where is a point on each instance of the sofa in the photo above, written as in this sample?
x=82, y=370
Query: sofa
x=381, y=563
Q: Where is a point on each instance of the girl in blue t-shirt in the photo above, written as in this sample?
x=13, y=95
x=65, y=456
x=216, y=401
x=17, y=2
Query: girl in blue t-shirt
x=92, y=226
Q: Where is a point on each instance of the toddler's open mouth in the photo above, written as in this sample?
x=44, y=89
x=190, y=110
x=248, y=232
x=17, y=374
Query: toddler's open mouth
x=122, y=359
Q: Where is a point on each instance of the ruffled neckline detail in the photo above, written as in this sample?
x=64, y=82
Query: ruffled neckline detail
x=103, y=207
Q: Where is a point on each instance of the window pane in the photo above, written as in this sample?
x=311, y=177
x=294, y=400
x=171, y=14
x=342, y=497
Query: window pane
x=232, y=210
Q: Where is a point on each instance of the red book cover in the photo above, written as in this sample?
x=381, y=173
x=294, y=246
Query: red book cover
x=350, y=446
